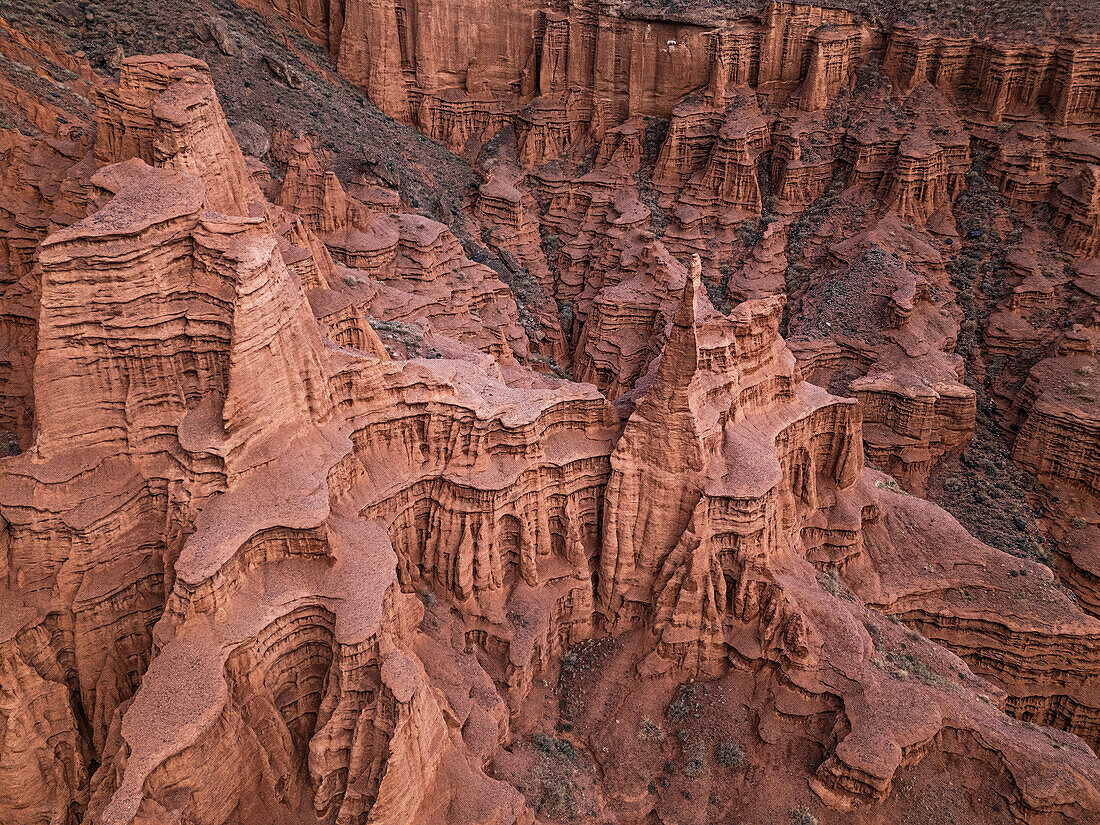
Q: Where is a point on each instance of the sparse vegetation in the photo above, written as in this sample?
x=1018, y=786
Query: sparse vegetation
x=1079, y=391
x=751, y=231
x=903, y=664
x=729, y=755
x=831, y=582
x=409, y=336
x=655, y=133
x=695, y=764
x=890, y=484
x=650, y=731
x=984, y=488
x=694, y=753
x=550, y=241
x=552, y=746
x=684, y=705
x=557, y=798
x=719, y=299
x=565, y=317
x=802, y=815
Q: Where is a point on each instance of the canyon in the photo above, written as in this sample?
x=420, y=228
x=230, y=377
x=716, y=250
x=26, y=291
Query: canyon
x=613, y=411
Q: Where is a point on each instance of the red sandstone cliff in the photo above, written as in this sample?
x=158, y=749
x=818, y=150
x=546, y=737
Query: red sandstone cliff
x=298, y=534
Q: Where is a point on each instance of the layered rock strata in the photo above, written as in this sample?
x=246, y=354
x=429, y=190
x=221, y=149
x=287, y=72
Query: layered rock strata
x=201, y=593
x=298, y=535
x=884, y=315
x=759, y=479
x=1057, y=441
x=767, y=109
x=401, y=267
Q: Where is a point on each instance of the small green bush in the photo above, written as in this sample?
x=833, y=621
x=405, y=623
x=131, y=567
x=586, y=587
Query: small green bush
x=695, y=763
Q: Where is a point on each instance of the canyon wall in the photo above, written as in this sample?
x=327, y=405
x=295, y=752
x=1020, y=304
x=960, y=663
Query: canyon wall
x=303, y=524
x=459, y=70
x=775, y=86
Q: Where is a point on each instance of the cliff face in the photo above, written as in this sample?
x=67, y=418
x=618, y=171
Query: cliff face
x=204, y=595
x=773, y=87
x=298, y=526
x=716, y=517
x=455, y=69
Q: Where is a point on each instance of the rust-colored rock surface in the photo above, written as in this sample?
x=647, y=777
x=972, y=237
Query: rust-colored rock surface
x=625, y=412
x=784, y=86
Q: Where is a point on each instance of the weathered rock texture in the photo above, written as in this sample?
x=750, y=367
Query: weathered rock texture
x=298, y=527
x=778, y=89
x=201, y=591
x=732, y=481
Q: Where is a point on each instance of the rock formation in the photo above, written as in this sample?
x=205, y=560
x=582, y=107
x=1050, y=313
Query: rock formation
x=707, y=175
x=203, y=518
x=564, y=497
x=1057, y=441
x=748, y=500
x=884, y=314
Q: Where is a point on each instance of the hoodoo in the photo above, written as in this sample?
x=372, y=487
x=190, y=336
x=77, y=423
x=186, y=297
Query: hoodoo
x=635, y=412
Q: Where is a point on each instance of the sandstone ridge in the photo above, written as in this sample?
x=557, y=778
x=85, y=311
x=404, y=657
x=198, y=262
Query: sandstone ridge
x=571, y=506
